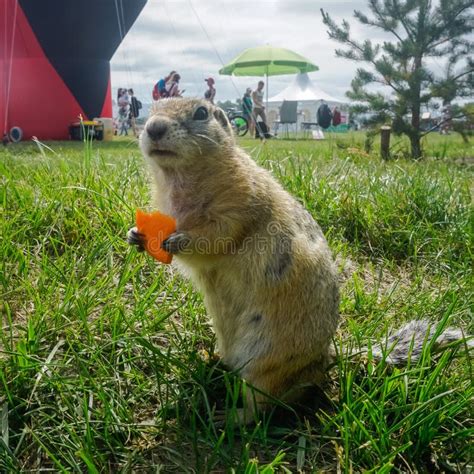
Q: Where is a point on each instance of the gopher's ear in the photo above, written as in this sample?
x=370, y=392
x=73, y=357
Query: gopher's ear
x=221, y=117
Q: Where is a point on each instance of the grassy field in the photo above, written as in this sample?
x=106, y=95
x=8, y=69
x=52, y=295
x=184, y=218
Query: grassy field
x=106, y=357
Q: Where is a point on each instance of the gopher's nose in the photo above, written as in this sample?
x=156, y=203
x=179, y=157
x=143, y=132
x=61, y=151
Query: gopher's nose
x=156, y=129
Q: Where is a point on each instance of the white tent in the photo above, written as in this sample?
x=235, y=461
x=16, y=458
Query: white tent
x=308, y=96
x=303, y=90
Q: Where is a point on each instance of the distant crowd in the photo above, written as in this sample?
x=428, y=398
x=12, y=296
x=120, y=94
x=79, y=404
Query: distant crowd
x=253, y=107
x=168, y=87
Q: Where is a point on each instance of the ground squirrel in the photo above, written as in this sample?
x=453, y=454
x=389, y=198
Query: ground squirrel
x=261, y=261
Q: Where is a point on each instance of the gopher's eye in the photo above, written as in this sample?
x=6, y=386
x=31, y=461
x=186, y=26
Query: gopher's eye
x=201, y=113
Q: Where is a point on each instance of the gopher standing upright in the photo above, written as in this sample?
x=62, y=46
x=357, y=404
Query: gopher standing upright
x=261, y=261
x=257, y=255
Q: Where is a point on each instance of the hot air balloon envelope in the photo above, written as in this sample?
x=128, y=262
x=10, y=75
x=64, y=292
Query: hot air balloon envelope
x=54, y=62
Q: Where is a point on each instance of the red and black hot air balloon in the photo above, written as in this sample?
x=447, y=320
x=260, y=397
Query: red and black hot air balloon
x=54, y=61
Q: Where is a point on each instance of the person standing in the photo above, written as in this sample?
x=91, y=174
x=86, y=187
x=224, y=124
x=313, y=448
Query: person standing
x=247, y=108
x=336, y=117
x=446, y=119
x=258, y=107
x=211, y=90
x=135, y=106
x=324, y=115
x=123, y=102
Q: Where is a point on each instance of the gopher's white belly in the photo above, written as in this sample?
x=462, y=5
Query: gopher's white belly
x=230, y=300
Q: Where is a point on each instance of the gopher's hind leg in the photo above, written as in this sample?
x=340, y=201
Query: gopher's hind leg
x=267, y=386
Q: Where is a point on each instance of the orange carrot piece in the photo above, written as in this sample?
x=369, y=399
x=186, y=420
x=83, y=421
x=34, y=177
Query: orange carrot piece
x=156, y=227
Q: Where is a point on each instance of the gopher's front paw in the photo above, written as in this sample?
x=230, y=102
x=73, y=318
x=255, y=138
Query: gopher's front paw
x=135, y=238
x=177, y=242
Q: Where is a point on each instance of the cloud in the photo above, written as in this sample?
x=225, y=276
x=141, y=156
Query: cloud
x=337, y=8
x=197, y=38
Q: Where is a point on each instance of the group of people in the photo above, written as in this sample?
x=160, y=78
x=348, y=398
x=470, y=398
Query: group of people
x=128, y=111
x=253, y=108
x=168, y=86
x=252, y=101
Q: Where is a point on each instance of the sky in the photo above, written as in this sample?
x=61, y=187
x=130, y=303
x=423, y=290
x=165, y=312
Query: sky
x=197, y=37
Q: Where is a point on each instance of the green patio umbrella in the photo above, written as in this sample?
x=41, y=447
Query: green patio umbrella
x=267, y=61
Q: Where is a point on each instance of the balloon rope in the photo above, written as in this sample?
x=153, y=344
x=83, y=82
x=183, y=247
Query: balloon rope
x=121, y=26
x=118, y=19
x=197, y=77
x=10, y=67
x=4, y=71
x=125, y=54
x=212, y=43
x=239, y=92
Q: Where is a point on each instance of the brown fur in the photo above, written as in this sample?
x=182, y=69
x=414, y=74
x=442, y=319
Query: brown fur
x=260, y=260
x=262, y=263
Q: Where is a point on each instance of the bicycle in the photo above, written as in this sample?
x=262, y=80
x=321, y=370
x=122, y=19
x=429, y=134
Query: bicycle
x=238, y=122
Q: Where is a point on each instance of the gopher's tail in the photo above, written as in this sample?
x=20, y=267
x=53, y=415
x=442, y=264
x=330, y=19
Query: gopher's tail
x=407, y=343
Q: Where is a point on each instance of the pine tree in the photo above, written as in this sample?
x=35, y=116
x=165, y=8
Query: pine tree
x=421, y=29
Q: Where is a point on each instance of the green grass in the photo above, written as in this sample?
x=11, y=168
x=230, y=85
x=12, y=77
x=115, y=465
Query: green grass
x=103, y=363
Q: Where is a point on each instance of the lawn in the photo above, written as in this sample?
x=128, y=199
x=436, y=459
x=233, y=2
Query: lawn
x=107, y=358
